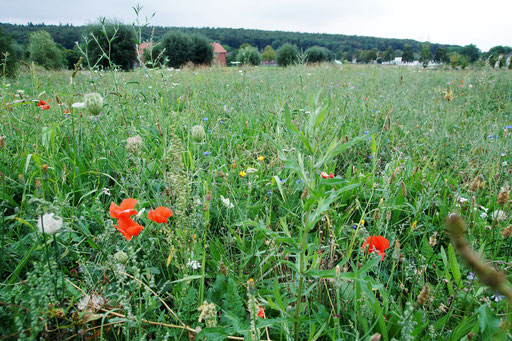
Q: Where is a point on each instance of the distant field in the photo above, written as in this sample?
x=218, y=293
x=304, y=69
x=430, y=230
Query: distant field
x=274, y=206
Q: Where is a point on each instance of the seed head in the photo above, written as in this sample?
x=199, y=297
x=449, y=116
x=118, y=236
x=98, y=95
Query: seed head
x=93, y=103
x=198, y=133
x=424, y=295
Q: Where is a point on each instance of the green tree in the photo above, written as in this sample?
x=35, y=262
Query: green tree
x=463, y=61
x=318, y=54
x=389, y=54
x=248, y=55
x=111, y=45
x=178, y=48
x=43, y=51
x=407, y=54
x=454, y=60
x=471, y=51
x=287, y=54
x=268, y=54
x=7, y=55
x=425, y=55
x=440, y=56
x=202, y=51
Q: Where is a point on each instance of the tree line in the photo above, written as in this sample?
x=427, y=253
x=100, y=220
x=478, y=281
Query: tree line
x=111, y=44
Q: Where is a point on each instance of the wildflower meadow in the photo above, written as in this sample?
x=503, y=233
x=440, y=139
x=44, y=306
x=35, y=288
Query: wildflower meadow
x=313, y=202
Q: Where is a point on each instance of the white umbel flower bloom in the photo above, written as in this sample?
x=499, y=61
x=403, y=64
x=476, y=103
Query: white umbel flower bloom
x=50, y=223
x=226, y=202
x=251, y=170
x=78, y=105
x=499, y=215
x=134, y=144
x=193, y=264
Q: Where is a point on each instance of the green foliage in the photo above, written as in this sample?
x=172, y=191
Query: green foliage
x=248, y=55
x=268, y=54
x=463, y=61
x=318, y=54
x=407, y=54
x=287, y=54
x=297, y=232
x=441, y=56
x=178, y=48
x=454, y=60
x=202, y=51
x=8, y=58
x=367, y=56
x=111, y=45
x=389, y=55
x=72, y=57
x=425, y=55
x=470, y=51
x=43, y=51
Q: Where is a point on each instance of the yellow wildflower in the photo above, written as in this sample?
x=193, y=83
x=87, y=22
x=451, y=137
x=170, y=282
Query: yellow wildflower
x=242, y=174
x=260, y=158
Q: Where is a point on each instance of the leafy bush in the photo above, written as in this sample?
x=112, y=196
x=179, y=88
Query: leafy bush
x=43, y=51
x=318, y=54
x=178, y=48
x=248, y=56
x=202, y=51
x=7, y=55
x=287, y=54
x=111, y=45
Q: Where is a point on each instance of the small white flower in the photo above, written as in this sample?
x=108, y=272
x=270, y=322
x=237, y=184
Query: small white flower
x=251, y=170
x=140, y=212
x=483, y=215
x=50, y=224
x=95, y=302
x=461, y=200
x=226, y=202
x=193, y=264
x=497, y=297
x=105, y=191
x=498, y=215
x=78, y=105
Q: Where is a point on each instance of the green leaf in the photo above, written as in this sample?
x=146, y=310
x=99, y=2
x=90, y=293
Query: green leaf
x=278, y=183
x=454, y=266
x=188, y=278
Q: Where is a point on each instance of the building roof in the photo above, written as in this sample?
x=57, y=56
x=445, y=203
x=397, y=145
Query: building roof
x=217, y=48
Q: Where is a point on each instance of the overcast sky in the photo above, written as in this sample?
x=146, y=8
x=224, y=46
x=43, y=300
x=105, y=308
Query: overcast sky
x=461, y=22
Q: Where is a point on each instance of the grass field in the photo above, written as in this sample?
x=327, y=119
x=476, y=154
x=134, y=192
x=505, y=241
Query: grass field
x=261, y=244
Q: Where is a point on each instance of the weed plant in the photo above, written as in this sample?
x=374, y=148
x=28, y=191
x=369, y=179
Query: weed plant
x=273, y=208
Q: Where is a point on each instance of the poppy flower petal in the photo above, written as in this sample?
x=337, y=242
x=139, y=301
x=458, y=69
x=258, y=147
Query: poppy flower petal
x=160, y=215
x=128, y=203
x=114, y=210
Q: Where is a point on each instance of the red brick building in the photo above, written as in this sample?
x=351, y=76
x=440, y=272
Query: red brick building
x=219, y=54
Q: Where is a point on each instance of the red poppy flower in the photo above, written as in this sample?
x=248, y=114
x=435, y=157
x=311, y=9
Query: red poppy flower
x=128, y=227
x=376, y=243
x=125, y=210
x=331, y=175
x=43, y=105
x=160, y=214
x=261, y=312
x=324, y=175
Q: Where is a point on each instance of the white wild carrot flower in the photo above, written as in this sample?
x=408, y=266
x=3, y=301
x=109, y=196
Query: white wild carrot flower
x=49, y=224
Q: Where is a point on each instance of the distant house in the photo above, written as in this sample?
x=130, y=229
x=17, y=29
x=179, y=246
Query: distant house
x=219, y=54
x=142, y=47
